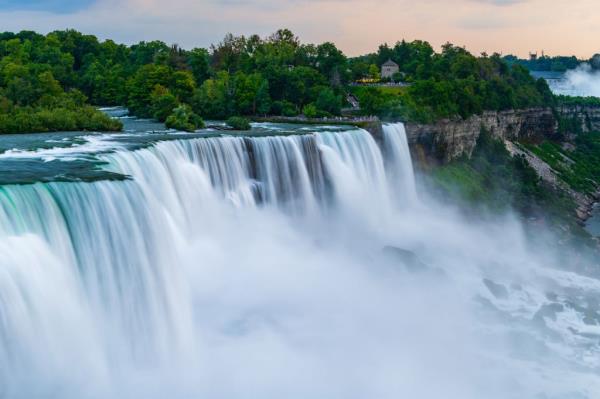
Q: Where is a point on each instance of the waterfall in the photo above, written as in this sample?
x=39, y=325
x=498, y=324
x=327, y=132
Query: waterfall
x=235, y=267
x=401, y=171
x=92, y=273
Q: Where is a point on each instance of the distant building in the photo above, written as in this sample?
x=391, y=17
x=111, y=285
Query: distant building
x=389, y=69
x=533, y=56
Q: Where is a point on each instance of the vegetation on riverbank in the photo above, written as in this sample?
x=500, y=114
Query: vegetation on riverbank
x=41, y=119
x=184, y=119
x=238, y=123
x=58, y=111
x=254, y=76
x=32, y=99
x=453, y=83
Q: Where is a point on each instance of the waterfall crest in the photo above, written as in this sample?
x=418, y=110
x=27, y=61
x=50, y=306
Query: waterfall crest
x=253, y=267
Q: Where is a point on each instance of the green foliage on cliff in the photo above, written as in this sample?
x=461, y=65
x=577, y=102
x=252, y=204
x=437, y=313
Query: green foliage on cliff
x=494, y=180
x=577, y=165
x=581, y=101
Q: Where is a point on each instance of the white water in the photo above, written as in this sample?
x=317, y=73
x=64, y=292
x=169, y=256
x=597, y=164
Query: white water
x=582, y=81
x=253, y=267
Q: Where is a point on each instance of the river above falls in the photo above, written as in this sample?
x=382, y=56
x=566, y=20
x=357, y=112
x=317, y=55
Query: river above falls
x=76, y=156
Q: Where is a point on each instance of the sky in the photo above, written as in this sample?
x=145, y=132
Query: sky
x=558, y=27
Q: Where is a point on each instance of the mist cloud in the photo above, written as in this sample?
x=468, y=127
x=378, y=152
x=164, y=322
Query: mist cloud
x=583, y=81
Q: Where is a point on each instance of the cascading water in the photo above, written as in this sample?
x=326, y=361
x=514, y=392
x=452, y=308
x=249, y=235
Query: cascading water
x=236, y=267
x=401, y=173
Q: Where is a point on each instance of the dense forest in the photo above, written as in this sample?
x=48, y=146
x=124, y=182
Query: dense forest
x=553, y=64
x=448, y=84
x=49, y=82
x=545, y=63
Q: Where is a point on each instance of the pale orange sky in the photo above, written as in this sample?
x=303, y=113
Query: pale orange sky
x=563, y=27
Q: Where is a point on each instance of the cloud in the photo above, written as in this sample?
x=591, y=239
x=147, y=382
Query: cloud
x=357, y=26
x=54, y=6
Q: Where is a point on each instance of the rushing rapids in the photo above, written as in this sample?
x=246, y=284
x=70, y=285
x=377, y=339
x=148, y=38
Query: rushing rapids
x=300, y=265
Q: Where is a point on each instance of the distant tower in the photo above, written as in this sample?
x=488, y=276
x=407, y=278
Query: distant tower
x=533, y=56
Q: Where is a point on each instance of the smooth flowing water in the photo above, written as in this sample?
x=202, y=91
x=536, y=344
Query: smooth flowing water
x=296, y=262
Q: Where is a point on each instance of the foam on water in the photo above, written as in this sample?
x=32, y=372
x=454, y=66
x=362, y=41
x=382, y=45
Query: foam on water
x=235, y=267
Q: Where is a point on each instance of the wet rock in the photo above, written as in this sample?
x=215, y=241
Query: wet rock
x=497, y=290
x=410, y=260
x=551, y=296
x=399, y=257
x=590, y=315
x=548, y=311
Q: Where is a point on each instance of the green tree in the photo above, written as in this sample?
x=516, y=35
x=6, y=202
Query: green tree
x=141, y=85
x=329, y=102
x=310, y=110
x=374, y=72
x=215, y=98
x=199, y=62
x=163, y=103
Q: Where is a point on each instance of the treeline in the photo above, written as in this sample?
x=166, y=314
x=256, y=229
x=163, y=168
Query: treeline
x=546, y=63
x=36, y=91
x=244, y=76
x=238, y=76
x=450, y=83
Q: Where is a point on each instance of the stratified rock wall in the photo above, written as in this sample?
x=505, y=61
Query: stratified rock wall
x=450, y=139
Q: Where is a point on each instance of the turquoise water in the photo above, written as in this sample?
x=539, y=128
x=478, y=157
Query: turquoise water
x=289, y=261
x=76, y=156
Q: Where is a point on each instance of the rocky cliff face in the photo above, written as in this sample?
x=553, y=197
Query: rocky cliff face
x=587, y=116
x=447, y=140
x=584, y=202
x=450, y=139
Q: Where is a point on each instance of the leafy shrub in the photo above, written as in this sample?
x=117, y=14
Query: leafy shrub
x=30, y=120
x=310, y=110
x=184, y=119
x=239, y=123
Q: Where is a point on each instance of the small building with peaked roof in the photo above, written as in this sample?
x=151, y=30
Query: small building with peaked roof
x=388, y=69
